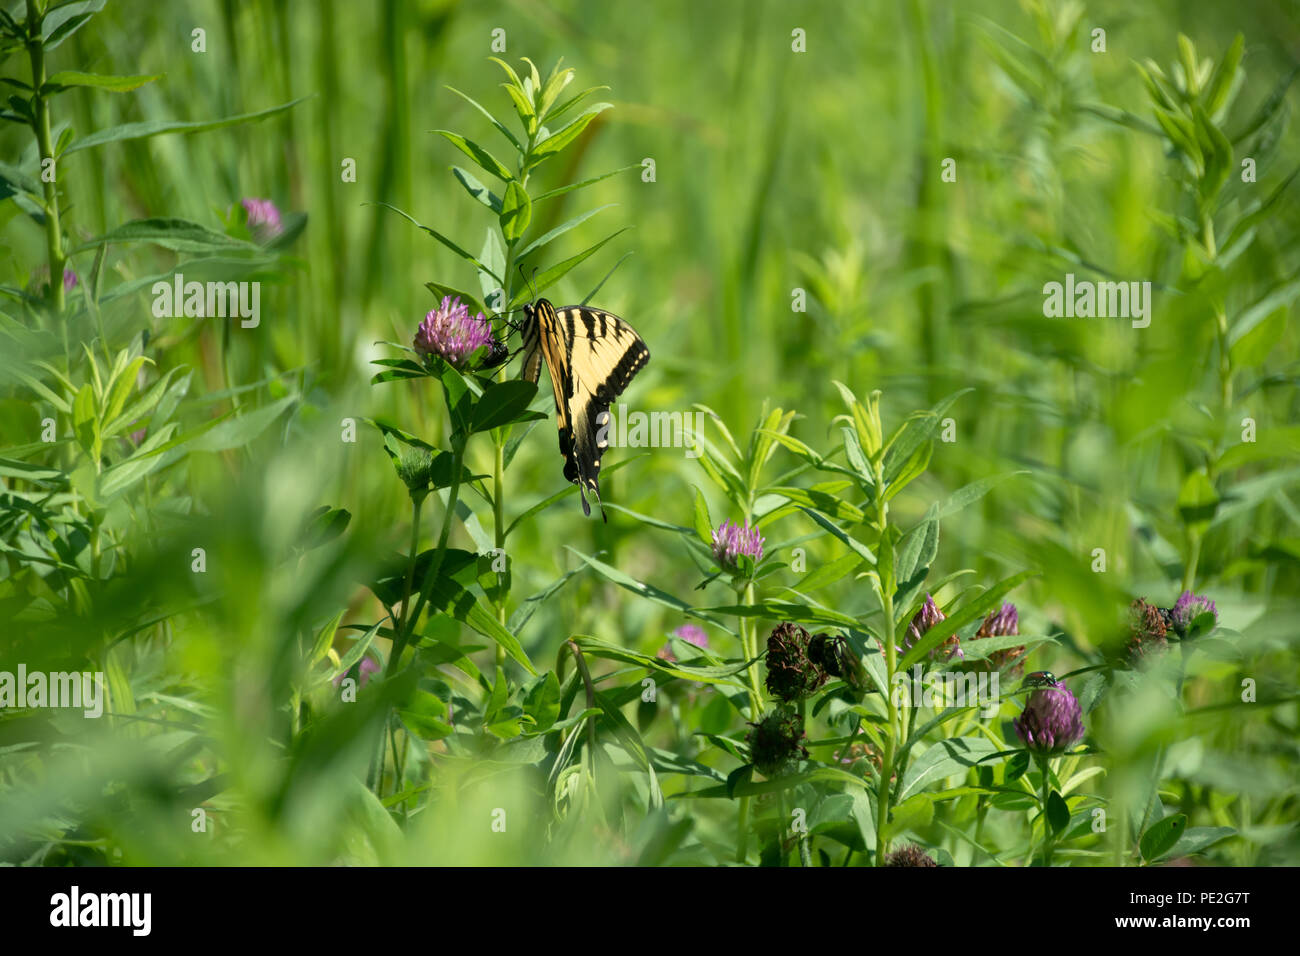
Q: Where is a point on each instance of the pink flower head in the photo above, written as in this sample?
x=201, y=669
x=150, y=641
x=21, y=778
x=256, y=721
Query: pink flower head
x=1052, y=720
x=927, y=617
x=731, y=541
x=263, y=218
x=450, y=331
x=367, y=667
x=691, y=634
x=41, y=280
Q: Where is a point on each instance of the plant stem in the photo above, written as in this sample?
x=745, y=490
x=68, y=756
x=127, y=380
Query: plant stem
x=749, y=647
x=407, y=619
x=884, y=792
x=435, y=565
x=41, y=127
x=1047, y=823
x=742, y=833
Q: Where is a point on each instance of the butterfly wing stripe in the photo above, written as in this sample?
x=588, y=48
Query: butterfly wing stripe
x=610, y=353
x=591, y=356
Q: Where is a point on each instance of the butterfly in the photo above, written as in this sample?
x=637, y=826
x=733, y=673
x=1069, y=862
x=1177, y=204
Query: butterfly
x=592, y=355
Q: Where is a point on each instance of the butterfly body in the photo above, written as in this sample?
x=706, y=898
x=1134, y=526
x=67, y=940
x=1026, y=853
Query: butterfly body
x=591, y=356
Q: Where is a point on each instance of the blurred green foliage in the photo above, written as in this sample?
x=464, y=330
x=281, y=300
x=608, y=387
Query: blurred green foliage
x=775, y=171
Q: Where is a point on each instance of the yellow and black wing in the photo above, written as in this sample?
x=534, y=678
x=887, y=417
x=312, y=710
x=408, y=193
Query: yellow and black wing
x=591, y=355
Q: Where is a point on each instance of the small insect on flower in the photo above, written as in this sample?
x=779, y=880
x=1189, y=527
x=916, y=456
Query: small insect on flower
x=1040, y=679
x=497, y=354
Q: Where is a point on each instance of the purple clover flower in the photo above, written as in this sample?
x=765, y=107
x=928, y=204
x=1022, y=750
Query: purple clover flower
x=1188, y=608
x=40, y=281
x=927, y=617
x=367, y=667
x=691, y=634
x=1003, y=622
x=450, y=331
x=1051, y=722
x=263, y=218
x=732, y=541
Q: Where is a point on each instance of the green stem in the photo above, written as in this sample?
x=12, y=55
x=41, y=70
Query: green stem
x=742, y=834
x=1193, y=559
x=435, y=566
x=407, y=619
x=41, y=127
x=884, y=793
x=749, y=647
x=1047, y=824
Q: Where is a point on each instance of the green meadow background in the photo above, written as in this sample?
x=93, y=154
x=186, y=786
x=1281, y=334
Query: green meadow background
x=775, y=170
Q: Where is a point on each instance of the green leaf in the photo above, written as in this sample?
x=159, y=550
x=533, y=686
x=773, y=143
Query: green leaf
x=1273, y=441
x=66, y=19
x=84, y=425
x=943, y=759
x=485, y=160
x=178, y=234
x=354, y=653
x=701, y=674
x=425, y=715
x=1161, y=836
x=500, y=127
x=1058, y=814
x=325, y=639
x=862, y=550
x=325, y=525
x=556, y=272
x=560, y=230
x=1221, y=84
x=969, y=494
x=516, y=212
x=476, y=189
x=113, y=84
x=980, y=649
x=446, y=595
x=919, y=547
x=1197, y=500
x=910, y=814
x=239, y=431
x=561, y=190
x=972, y=611
x=821, y=499
x=542, y=702
x=562, y=137
x=703, y=523
x=1196, y=839
x=830, y=572
x=148, y=128
x=502, y=403
x=644, y=590
x=912, y=434
x=784, y=611
x=443, y=239
x=1016, y=767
